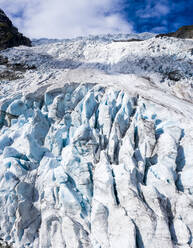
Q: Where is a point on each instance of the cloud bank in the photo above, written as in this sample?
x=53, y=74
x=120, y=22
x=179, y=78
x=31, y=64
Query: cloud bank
x=70, y=18
x=66, y=18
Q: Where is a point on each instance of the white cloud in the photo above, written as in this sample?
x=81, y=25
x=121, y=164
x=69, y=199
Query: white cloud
x=157, y=10
x=66, y=18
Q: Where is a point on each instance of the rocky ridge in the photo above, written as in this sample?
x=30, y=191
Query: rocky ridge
x=184, y=32
x=9, y=35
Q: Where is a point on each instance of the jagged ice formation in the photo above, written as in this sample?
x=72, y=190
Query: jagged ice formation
x=96, y=144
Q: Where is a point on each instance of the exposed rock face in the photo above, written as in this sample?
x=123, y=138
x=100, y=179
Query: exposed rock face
x=96, y=145
x=185, y=32
x=9, y=35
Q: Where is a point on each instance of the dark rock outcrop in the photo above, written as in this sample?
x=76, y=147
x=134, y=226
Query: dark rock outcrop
x=13, y=71
x=185, y=32
x=130, y=40
x=9, y=35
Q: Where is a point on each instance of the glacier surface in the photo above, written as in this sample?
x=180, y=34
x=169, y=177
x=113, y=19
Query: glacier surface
x=96, y=144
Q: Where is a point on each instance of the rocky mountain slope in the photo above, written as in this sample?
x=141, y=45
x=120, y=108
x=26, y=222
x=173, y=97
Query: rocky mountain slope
x=184, y=32
x=96, y=143
x=9, y=35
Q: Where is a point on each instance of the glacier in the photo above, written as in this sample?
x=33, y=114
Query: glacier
x=96, y=143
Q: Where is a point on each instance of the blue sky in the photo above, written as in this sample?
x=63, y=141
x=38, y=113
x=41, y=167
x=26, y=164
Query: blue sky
x=159, y=16
x=70, y=18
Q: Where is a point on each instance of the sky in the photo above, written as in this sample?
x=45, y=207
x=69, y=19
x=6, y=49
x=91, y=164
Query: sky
x=71, y=18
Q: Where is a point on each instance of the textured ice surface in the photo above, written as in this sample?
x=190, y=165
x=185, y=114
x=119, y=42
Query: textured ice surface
x=96, y=145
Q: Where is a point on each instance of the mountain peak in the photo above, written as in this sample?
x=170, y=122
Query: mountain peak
x=184, y=32
x=9, y=35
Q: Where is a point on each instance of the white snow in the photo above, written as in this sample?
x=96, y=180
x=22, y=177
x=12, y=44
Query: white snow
x=96, y=144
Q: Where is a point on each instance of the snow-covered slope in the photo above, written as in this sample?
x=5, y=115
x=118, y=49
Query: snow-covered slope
x=96, y=143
